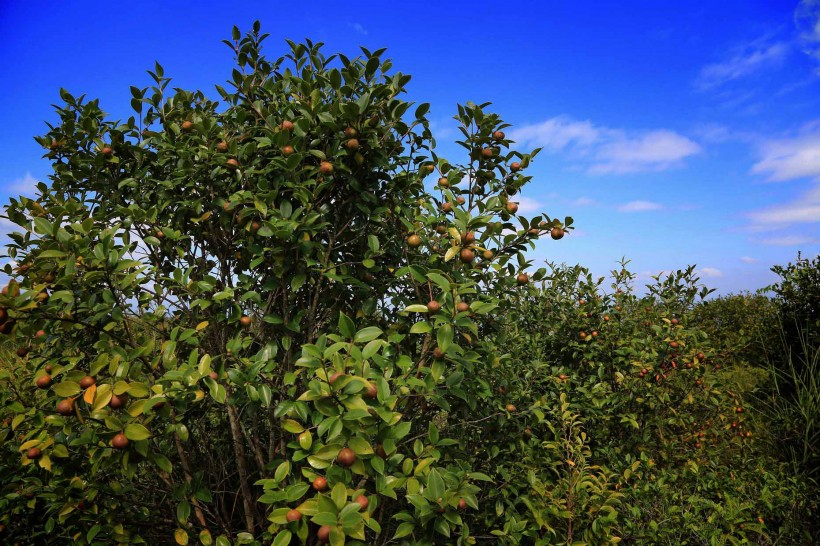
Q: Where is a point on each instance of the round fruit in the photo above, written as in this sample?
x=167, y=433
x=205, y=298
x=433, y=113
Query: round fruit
x=738, y=410
x=556, y=233
x=116, y=402
x=510, y=408
x=286, y=125
x=323, y=534
x=512, y=207
x=447, y=206
x=22, y=352
x=187, y=126
x=87, y=381
x=245, y=321
x=293, y=515
x=414, y=241
x=430, y=168
x=119, y=441
x=499, y=135
x=469, y=237
x=674, y=321
x=222, y=147
x=33, y=453
x=287, y=150
x=213, y=375
x=562, y=377
x=488, y=255
x=487, y=152
x=320, y=483
x=462, y=504
x=107, y=151
x=467, y=255
x=350, y=132
x=462, y=307
x=39, y=334
x=43, y=382
x=460, y=200
x=65, y=407
x=346, y=457
x=523, y=278
x=673, y=344
x=583, y=335
x=441, y=229
x=606, y=318
x=232, y=163
x=352, y=144
x=515, y=166
x=362, y=500
x=433, y=306
x=594, y=333
x=701, y=357
x=443, y=182
x=326, y=167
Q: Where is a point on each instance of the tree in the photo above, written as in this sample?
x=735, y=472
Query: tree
x=229, y=284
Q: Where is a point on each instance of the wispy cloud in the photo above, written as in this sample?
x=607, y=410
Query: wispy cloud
x=805, y=209
x=748, y=260
x=743, y=61
x=21, y=186
x=790, y=240
x=359, y=28
x=639, y=206
x=604, y=150
x=709, y=272
x=791, y=158
x=527, y=205
x=807, y=21
x=583, y=202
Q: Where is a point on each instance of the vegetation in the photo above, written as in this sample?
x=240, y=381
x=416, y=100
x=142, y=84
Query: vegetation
x=281, y=318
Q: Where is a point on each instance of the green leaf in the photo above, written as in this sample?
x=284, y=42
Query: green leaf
x=367, y=334
x=404, y=530
x=421, y=327
x=64, y=389
x=346, y=326
x=444, y=337
x=136, y=432
x=435, y=485
x=282, y=538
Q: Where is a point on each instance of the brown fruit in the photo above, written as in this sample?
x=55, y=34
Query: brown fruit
x=48, y=368
x=583, y=335
x=447, y=206
x=673, y=344
x=460, y=200
x=510, y=408
x=515, y=166
x=534, y=231
x=350, y=132
x=467, y=255
x=462, y=307
x=346, y=457
x=523, y=278
x=119, y=441
x=562, y=377
x=293, y=515
x=116, y=402
x=556, y=233
x=222, y=147
x=433, y=306
x=512, y=207
x=65, y=407
x=469, y=237
x=488, y=255
x=107, y=152
x=187, y=126
x=362, y=500
x=438, y=353
x=487, y=152
x=39, y=334
x=87, y=381
x=499, y=135
x=701, y=357
x=443, y=182
x=255, y=226
x=245, y=321
x=414, y=241
x=352, y=144
x=381, y=452
x=674, y=321
x=232, y=163
x=326, y=167
x=22, y=352
x=43, y=382
x=594, y=333
x=287, y=150
x=738, y=410
x=606, y=318
x=323, y=534
x=320, y=483
x=462, y=504
x=430, y=168
x=286, y=125
x=441, y=229
x=33, y=453
x=159, y=234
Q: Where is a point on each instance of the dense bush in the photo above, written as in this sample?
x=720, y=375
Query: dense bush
x=253, y=321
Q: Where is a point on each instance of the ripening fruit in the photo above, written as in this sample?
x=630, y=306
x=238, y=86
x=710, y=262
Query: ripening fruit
x=320, y=483
x=467, y=255
x=119, y=441
x=232, y=163
x=433, y=306
x=701, y=357
x=414, y=241
x=462, y=307
x=515, y=166
x=447, y=206
x=594, y=333
x=65, y=407
x=673, y=344
x=287, y=150
x=674, y=321
x=438, y=353
x=498, y=135
x=87, y=381
x=286, y=125
x=606, y=318
x=510, y=408
x=187, y=126
x=323, y=534
x=460, y=200
x=116, y=402
x=326, y=167
x=562, y=377
x=43, y=382
x=107, y=152
x=556, y=233
x=488, y=255
x=512, y=207
x=430, y=168
x=22, y=352
x=350, y=132
x=583, y=335
x=213, y=375
x=362, y=500
x=487, y=152
x=222, y=147
x=352, y=144
x=346, y=457
x=738, y=410
x=293, y=515
x=245, y=321
x=523, y=278
x=443, y=182
x=462, y=504
x=469, y=237
x=39, y=334
x=33, y=453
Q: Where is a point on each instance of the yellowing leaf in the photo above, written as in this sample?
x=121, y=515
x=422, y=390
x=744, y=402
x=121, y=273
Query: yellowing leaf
x=181, y=537
x=89, y=393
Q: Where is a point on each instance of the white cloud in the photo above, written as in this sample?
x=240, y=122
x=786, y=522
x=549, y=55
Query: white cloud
x=605, y=150
x=359, y=28
x=529, y=206
x=807, y=20
x=710, y=272
x=744, y=61
x=22, y=186
x=583, y=202
x=790, y=158
x=789, y=240
x=639, y=206
x=748, y=260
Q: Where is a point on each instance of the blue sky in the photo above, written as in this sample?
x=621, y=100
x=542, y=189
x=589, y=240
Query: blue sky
x=674, y=133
